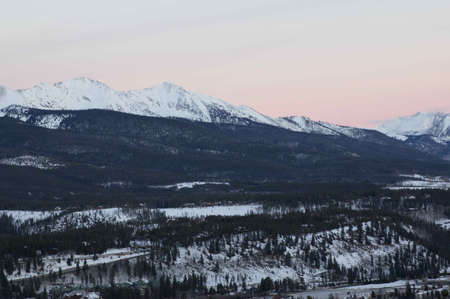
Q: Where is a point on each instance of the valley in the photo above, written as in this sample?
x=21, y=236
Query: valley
x=166, y=193
x=251, y=248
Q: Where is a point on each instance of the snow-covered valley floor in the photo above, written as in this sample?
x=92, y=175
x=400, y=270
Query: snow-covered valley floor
x=419, y=182
x=87, y=218
x=365, y=290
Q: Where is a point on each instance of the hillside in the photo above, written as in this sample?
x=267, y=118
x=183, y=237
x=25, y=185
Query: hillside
x=97, y=147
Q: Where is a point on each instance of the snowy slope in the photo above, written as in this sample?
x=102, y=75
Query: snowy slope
x=304, y=124
x=163, y=100
x=10, y=97
x=436, y=124
x=48, y=120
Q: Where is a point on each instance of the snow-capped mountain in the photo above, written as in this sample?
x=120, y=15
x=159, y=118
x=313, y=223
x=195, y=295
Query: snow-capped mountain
x=436, y=124
x=426, y=132
x=163, y=100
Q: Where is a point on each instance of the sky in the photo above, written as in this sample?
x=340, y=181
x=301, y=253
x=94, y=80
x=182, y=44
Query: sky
x=347, y=62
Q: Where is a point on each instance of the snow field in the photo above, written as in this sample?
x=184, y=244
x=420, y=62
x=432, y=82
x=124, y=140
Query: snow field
x=87, y=218
x=418, y=182
x=53, y=263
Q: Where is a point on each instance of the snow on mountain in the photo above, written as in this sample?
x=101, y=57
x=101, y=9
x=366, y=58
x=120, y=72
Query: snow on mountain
x=436, y=124
x=48, y=120
x=304, y=124
x=163, y=100
x=10, y=97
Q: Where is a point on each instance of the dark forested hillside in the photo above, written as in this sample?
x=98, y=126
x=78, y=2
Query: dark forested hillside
x=98, y=147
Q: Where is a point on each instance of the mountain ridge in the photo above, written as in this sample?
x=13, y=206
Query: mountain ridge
x=163, y=100
x=426, y=132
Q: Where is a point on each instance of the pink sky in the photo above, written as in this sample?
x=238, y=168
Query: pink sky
x=347, y=62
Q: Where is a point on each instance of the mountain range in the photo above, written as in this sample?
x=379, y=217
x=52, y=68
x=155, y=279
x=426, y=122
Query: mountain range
x=163, y=100
x=426, y=132
x=74, y=138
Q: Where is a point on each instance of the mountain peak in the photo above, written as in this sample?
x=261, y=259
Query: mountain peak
x=421, y=123
x=83, y=78
x=168, y=86
x=82, y=81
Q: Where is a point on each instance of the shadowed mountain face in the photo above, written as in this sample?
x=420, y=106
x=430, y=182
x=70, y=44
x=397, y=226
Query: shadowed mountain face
x=439, y=147
x=95, y=147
